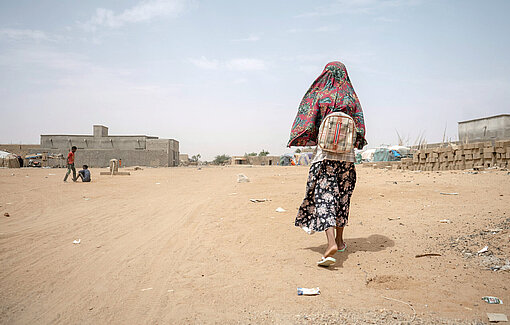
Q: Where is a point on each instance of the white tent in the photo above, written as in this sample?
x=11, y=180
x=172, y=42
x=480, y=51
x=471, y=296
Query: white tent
x=368, y=155
x=8, y=160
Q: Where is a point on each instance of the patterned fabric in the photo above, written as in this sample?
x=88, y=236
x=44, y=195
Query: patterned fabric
x=332, y=91
x=336, y=133
x=328, y=195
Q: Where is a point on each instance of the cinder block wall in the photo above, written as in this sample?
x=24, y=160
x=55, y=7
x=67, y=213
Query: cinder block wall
x=101, y=158
x=455, y=157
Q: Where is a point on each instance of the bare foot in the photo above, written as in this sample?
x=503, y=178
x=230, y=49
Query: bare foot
x=330, y=251
x=340, y=244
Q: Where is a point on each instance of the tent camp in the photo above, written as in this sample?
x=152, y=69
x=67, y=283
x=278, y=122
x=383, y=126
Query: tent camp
x=403, y=151
x=285, y=160
x=303, y=159
x=385, y=154
x=8, y=160
x=368, y=155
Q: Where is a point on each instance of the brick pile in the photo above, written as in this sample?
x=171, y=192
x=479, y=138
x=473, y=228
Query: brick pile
x=464, y=156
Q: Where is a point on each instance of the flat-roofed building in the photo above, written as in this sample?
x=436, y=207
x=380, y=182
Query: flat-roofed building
x=97, y=149
x=492, y=128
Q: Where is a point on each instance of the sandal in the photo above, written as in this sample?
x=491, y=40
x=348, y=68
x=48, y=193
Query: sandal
x=326, y=261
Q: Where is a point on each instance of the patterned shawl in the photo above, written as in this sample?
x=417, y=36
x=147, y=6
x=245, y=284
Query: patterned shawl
x=330, y=92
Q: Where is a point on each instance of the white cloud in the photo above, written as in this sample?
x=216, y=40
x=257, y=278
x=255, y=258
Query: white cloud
x=24, y=34
x=251, y=38
x=142, y=12
x=358, y=7
x=240, y=64
x=205, y=63
x=385, y=19
x=246, y=64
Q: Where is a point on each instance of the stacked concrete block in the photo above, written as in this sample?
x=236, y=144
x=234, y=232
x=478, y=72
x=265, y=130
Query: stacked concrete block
x=502, y=153
x=459, y=157
x=406, y=163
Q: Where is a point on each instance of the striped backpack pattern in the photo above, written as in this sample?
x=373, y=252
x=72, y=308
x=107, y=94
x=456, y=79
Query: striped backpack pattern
x=337, y=133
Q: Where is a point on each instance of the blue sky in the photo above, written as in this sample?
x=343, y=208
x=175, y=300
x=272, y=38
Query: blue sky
x=227, y=76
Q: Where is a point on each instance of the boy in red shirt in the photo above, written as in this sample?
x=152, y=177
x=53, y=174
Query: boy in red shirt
x=70, y=164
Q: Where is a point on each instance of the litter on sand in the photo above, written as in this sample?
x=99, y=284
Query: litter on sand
x=146, y=289
x=259, y=200
x=492, y=300
x=445, y=221
x=483, y=250
x=308, y=291
x=280, y=210
x=76, y=241
x=7, y=214
x=497, y=317
x=158, y=183
x=449, y=193
x=428, y=254
x=242, y=178
x=397, y=218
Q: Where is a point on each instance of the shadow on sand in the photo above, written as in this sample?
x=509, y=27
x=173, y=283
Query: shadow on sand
x=372, y=243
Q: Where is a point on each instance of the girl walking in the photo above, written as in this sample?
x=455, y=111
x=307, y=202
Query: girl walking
x=332, y=174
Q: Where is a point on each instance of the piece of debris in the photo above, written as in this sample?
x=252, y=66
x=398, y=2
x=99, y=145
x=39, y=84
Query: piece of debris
x=445, y=221
x=505, y=267
x=280, y=210
x=497, y=317
x=397, y=218
x=483, y=250
x=495, y=230
x=137, y=168
x=259, y=200
x=158, y=183
x=146, y=289
x=7, y=214
x=444, y=193
x=411, y=306
x=308, y=291
x=427, y=254
x=76, y=241
x=242, y=178
x=492, y=300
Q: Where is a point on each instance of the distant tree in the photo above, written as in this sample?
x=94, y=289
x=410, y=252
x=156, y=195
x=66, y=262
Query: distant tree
x=251, y=154
x=263, y=153
x=221, y=159
x=298, y=150
x=195, y=158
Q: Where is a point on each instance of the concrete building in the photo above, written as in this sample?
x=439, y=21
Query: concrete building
x=491, y=128
x=96, y=150
x=183, y=159
x=255, y=160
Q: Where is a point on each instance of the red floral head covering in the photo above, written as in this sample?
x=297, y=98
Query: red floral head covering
x=331, y=92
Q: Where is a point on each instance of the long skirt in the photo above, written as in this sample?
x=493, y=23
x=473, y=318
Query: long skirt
x=328, y=196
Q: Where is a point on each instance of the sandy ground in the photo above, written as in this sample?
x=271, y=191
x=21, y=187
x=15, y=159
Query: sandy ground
x=183, y=245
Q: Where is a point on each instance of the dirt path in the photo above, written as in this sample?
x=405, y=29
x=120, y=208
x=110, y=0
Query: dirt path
x=181, y=245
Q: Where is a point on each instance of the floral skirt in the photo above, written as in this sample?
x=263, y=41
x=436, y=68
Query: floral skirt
x=328, y=196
